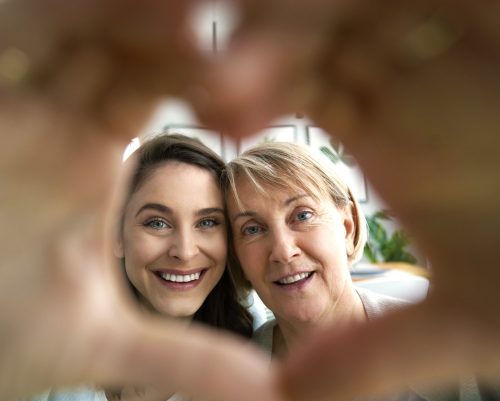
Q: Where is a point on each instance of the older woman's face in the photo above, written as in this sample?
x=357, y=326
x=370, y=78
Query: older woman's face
x=293, y=250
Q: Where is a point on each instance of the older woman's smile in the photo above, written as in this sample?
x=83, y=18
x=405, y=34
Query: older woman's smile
x=294, y=278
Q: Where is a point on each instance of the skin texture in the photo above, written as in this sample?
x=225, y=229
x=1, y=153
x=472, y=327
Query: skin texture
x=168, y=228
x=282, y=233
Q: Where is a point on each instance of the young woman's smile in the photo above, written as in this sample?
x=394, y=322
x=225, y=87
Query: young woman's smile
x=179, y=279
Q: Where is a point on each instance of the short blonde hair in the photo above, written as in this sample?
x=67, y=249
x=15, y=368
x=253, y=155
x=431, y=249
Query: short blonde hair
x=288, y=165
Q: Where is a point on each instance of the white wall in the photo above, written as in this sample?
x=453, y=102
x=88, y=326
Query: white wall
x=175, y=116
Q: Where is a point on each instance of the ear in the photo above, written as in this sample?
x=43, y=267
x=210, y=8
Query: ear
x=118, y=248
x=349, y=221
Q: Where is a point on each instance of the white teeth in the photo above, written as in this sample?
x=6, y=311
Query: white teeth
x=180, y=278
x=294, y=278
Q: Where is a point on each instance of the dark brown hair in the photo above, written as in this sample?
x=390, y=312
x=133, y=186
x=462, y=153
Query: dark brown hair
x=222, y=307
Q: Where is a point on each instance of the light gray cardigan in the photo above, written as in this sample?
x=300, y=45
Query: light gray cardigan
x=375, y=306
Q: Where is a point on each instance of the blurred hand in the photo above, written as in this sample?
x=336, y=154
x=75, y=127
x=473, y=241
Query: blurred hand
x=77, y=81
x=412, y=89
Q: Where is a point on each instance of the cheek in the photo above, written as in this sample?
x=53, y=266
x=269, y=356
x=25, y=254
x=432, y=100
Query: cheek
x=250, y=258
x=139, y=249
x=329, y=245
x=241, y=253
x=214, y=245
x=220, y=249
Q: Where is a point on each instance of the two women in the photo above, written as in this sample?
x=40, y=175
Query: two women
x=294, y=234
x=296, y=229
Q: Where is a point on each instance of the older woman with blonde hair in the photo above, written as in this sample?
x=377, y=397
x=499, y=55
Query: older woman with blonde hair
x=296, y=231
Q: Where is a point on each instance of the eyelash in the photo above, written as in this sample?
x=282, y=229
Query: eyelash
x=149, y=223
x=309, y=212
x=244, y=229
x=245, y=233
x=214, y=222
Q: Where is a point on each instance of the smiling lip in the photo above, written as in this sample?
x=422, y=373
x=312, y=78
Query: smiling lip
x=180, y=280
x=295, y=281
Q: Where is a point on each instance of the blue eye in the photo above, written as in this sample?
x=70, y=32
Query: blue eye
x=304, y=215
x=156, y=224
x=208, y=223
x=251, y=230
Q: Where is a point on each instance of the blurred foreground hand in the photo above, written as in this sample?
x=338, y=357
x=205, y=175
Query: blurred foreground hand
x=77, y=81
x=412, y=88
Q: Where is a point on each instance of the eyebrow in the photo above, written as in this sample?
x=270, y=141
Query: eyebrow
x=294, y=198
x=209, y=210
x=154, y=206
x=166, y=210
x=250, y=213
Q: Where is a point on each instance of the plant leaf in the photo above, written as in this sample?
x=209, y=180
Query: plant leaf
x=382, y=248
x=330, y=154
x=335, y=144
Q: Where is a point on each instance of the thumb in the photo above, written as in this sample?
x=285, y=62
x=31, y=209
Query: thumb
x=197, y=361
x=421, y=346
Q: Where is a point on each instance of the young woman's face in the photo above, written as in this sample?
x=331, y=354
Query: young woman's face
x=293, y=250
x=174, y=239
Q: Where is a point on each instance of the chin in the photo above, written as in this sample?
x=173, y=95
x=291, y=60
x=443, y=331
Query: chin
x=176, y=313
x=184, y=314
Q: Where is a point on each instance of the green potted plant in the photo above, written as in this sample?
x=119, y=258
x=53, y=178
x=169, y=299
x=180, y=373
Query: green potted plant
x=382, y=247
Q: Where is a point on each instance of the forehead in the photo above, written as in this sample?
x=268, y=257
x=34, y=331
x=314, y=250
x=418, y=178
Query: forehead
x=277, y=187
x=263, y=195
x=179, y=182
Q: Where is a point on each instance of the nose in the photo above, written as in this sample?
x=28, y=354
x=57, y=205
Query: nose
x=182, y=245
x=284, y=247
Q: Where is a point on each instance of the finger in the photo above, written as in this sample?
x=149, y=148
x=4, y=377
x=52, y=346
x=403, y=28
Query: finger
x=198, y=362
x=266, y=70
x=422, y=347
x=275, y=63
x=93, y=48
x=156, y=44
x=242, y=91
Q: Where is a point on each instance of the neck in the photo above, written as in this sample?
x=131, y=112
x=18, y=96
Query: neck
x=147, y=309
x=347, y=310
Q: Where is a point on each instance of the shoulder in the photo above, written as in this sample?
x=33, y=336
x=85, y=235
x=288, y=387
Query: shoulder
x=263, y=336
x=80, y=394
x=377, y=304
